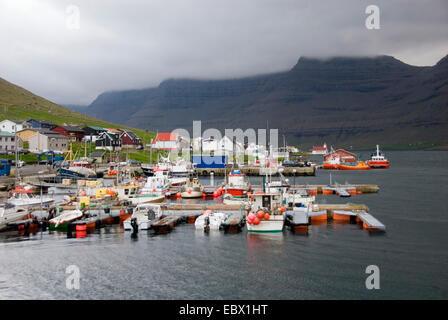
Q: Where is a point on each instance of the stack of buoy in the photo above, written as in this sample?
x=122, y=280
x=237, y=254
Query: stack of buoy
x=253, y=218
x=218, y=192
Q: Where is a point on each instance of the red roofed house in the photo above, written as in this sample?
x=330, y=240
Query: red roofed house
x=319, y=149
x=168, y=141
x=73, y=133
x=342, y=155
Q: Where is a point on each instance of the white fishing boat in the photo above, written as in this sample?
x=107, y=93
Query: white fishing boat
x=10, y=213
x=26, y=197
x=192, y=189
x=267, y=213
x=211, y=219
x=145, y=215
x=60, y=222
x=133, y=194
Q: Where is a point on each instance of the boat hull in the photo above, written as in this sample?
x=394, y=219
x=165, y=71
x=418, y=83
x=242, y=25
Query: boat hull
x=358, y=166
x=274, y=224
x=378, y=164
x=192, y=194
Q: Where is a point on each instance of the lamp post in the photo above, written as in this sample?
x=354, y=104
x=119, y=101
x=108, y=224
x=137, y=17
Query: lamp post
x=294, y=171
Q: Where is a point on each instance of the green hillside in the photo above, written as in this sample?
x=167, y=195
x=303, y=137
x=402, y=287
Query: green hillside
x=17, y=103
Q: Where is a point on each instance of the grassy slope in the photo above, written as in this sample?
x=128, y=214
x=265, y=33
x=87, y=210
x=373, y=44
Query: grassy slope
x=17, y=103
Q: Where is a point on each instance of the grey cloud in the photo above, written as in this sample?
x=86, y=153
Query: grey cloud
x=135, y=43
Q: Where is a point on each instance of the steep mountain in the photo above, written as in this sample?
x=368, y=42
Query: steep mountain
x=345, y=101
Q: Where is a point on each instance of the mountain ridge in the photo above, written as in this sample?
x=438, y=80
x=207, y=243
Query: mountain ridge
x=354, y=101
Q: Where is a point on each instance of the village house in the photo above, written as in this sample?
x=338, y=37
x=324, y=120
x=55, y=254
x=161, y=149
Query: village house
x=73, y=133
x=13, y=126
x=320, y=149
x=98, y=156
x=41, y=124
x=108, y=141
x=91, y=133
x=222, y=147
x=48, y=141
x=169, y=141
x=9, y=142
x=129, y=139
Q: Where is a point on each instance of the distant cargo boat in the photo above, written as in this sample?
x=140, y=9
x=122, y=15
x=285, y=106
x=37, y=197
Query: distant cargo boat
x=377, y=160
x=358, y=165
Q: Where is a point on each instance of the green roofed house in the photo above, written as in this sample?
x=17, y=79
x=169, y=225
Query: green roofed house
x=9, y=142
x=91, y=133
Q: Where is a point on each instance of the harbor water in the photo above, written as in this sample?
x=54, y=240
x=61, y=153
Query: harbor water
x=328, y=263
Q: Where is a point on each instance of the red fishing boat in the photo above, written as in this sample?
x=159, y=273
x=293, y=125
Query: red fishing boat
x=237, y=184
x=377, y=160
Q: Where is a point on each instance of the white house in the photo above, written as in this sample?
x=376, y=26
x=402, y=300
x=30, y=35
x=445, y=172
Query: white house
x=9, y=142
x=320, y=150
x=13, y=126
x=47, y=141
x=222, y=147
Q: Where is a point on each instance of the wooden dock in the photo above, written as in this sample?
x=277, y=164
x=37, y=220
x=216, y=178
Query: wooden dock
x=257, y=171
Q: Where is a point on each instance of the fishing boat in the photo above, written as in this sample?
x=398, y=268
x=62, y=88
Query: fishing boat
x=267, y=213
x=76, y=168
x=331, y=164
x=60, y=222
x=210, y=219
x=237, y=184
x=144, y=216
x=10, y=213
x=26, y=197
x=134, y=194
x=377, y=160
x=358, y=165
x=192, y=189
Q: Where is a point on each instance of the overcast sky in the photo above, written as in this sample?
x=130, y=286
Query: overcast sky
x=131, y=44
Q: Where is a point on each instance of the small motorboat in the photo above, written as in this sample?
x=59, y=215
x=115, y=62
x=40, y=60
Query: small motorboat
x=358, y=165
x=10, y=213
x=26, y=197
x=210, y=219
x=60, y=222
x=143, y=217
x=192, y=189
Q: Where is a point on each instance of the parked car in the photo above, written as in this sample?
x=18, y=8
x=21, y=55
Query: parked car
x=139, y=148
x=20, y=163
x=290, y=164
x=133, y=162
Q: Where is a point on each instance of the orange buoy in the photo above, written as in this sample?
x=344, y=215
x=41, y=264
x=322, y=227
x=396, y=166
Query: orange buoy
x=204, y=195
x=266, y=216
x=283, y=209
x=260, y=214
x=256, y=220
x=81, y=227
x=189, y=191
x=178, y=194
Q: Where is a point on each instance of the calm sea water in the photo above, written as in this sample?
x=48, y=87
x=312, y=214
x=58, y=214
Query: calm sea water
x=328, y=263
